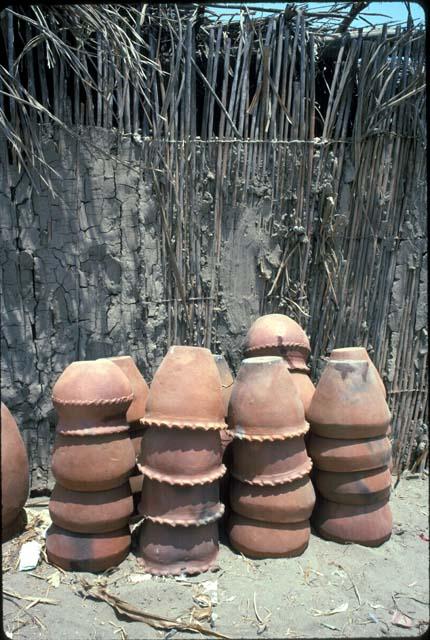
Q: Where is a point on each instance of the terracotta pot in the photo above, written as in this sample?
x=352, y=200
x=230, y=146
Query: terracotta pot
x=305, y=388
x=93, y=463
x=358, y=353
x=348, y=402
x=284, y=503
x=344, y=456
x=92, y=397
x=95, y=512
x=86, y=551
x=267, y=540
x=136, y=483
x=175, y=505
x=278, y=335
x=226, y=440
x=369, y=525
x=140, y=389
x=136, y=434
x=359, y=487
x=224, y=489
x=264, y=403
x=14, y=475
x=16, y=527
x=186, y=391
x=181, y=456
x=227, y=380
x=169, y=551
x=270, y=463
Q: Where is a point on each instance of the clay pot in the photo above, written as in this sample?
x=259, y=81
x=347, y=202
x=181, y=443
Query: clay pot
x=175, y=505
x=136, y=434
x=227, y=380
x=343, y=456
x=264, y=403
x=93, y=463
x=224, y=488
x=86, y=551
x=16, y=527
x=359, y=487
x=358, y=353
x=136, y=483
x=186, y=391
x=136, y=478
x=267, y=540
x=270, y=463
x=348, y=402
x=169, y=551
x=95, y=512
x=181, y=456
x=14, y=475
x=226, y=440
x=278, y=335
x=369, y=525
x=284, y=503
x=92, y=397
x=305, y=388
x=140, y=389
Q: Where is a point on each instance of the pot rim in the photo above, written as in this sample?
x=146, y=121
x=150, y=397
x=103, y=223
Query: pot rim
x=188, y=522
x=192, y=567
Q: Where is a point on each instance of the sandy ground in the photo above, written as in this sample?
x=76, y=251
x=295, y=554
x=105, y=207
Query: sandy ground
x=282, y=598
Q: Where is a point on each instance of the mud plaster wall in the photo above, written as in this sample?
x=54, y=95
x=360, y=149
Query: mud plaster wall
x=84, y=277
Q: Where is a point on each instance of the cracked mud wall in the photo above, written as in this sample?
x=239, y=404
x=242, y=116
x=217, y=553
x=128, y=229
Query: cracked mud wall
x=89, y=276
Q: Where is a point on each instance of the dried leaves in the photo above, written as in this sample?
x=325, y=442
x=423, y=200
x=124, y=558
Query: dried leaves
x=99, y=592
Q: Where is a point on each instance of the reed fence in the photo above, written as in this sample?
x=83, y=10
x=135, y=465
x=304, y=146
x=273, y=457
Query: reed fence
x=320, y=127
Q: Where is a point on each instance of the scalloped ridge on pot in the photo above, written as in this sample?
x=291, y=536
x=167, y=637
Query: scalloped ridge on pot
x=180, y=505
x=266, y=539
x=227, y=380
x=357, y=353
x=284, y=503
x=14, y=475
x=348, y=402
x=91, y=397
x=140, y=389
x=164, y=550
x=91, y=512
x=270, y=463
x=264, y=401
x=369, y=525
x=183, y=480
x=174, y=455
x=85, y=551
x=186, y=391
x=278, y=335
x=357, y=487
x=330, y=454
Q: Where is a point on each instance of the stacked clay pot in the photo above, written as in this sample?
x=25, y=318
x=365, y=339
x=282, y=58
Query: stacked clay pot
x=14, y=476
x=276, y=334
x=271, y=494
x=351, y=451
x=181, y=459
x=93, y=457
x=135, y=413
x=227, y=381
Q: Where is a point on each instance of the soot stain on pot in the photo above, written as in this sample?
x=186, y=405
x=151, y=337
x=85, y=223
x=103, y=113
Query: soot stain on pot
x=344, y=369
